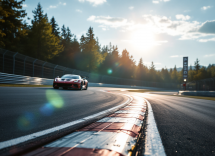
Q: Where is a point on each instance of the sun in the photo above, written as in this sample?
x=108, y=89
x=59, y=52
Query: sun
x=143, y=39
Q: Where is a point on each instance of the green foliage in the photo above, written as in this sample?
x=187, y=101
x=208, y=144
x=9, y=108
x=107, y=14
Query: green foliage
x=91, y=57
x=46, y=41
x=197, y=65
x=11, y=24
x=42, y=43
x=55, y=28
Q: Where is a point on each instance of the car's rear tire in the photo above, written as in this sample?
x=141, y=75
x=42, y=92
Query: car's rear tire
x=81, y=86
x=86, y=87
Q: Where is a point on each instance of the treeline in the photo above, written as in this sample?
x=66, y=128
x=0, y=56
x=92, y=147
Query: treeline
x=44, y=40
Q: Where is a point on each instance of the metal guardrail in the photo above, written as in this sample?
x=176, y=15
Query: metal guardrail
x=19, y=64
x=202, y=85
x=19, y=79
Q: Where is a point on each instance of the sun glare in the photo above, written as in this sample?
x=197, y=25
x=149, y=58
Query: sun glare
x=143, y=39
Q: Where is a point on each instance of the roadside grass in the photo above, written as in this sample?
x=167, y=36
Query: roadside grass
x=196, y=97
x=143, y=90
x=23, y=85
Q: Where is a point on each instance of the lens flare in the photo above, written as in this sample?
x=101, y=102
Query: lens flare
x=117, y=64
x=47, y=109
x=109, y=71
x=54, y=99
x=26, y=122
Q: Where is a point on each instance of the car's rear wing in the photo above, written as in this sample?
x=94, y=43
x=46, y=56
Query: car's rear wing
x=84, y=77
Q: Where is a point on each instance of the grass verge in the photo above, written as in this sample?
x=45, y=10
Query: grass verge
x=197, y=97
x=23, y=85
x=143, y=90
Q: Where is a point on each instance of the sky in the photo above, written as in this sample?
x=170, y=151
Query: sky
x=162, y=31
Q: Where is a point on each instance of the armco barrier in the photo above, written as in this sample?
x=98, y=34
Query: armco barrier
x=19, y=64
x=114, y=135
x=19, y=79
x=198, y=93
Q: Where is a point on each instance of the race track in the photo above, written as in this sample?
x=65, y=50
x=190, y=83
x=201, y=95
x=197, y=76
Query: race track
x=186, y=125
x=27, y=110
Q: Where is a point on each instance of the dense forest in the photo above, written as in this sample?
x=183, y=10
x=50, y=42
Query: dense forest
x=45, y=40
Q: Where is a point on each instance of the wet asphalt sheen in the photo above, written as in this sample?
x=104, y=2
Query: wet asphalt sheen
x=25, y=110
x=186, y=125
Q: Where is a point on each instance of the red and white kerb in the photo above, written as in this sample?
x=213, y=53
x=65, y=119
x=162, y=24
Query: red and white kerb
x=113, y=135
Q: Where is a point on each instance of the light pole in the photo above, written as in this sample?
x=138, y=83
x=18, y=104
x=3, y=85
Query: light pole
x=185, y=83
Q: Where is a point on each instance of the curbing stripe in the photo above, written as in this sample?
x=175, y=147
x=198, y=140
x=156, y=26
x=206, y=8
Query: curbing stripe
x=153, y=143
x=116, y=133
x=125, y=120
x=16, y=141
x=140, y=117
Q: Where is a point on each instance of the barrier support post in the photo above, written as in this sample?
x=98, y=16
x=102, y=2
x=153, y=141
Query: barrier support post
x=3, y=60
x=43, y=68
x=24, y=65
x=54, y=71
x=14, y=61
x=33, y=66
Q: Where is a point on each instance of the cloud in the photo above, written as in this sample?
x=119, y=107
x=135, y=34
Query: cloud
x=155, y=2
x=131, y=7
x=208, y=27
x=94, y=2
x=209, y=55
x=52, y=6
x=173, y=56
x=24, y=5
x=55, y=6
x=184, y=29
x=182, y=17
x=108, y=21
x=207, y=40
x=158, y=1
x=206, y=7
x=77, y=10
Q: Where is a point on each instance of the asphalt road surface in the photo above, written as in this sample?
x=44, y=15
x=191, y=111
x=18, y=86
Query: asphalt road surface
x=25, y=110
x=186, y=125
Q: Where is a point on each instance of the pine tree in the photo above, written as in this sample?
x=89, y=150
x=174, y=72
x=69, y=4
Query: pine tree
x=191, y=68
x=43, y=44
x=63, y=32
x=197, y=65
x=55, y=28
x=38, y=14
x=175, y=69
x=152, y=67
x=68, y=35
x=91, y=57
x=11, y=24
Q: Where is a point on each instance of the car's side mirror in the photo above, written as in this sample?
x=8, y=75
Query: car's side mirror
x=57, y=77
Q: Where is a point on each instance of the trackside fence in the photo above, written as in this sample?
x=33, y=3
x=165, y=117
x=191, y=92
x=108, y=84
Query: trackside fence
x=202, y=85
x=19, y=64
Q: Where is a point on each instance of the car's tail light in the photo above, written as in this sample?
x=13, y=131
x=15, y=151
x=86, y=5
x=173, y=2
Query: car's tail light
x=77, y=81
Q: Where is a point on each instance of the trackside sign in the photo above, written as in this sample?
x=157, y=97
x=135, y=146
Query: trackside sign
x=185, y=68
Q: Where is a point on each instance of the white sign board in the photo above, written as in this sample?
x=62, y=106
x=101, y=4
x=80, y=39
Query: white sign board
x=185, y=68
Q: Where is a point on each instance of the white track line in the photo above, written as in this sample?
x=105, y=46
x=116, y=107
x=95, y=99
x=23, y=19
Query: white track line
x=153, y=143
x=25, y=138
